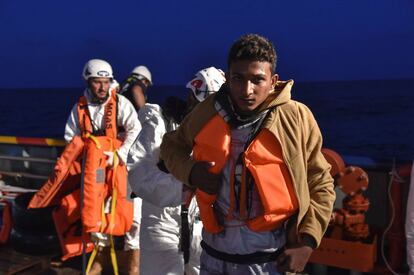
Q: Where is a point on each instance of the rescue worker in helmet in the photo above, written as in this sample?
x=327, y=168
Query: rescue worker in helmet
x=163, y=196
x=134, y=88
x=99, y=78
x=136, y=85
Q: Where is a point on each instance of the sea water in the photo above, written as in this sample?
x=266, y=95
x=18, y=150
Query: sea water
x=373, y=119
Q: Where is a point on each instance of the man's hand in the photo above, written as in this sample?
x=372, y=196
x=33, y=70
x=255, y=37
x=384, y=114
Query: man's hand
x=294, y=259
x=202, y=178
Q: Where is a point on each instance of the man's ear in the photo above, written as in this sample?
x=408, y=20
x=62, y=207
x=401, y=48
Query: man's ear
x=227, y=76
x=275, y=78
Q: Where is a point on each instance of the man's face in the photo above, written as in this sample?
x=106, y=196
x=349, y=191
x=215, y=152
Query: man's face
x=250, y=83
x=99, y=86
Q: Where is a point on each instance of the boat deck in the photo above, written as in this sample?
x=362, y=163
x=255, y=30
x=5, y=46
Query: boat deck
x=15, y=263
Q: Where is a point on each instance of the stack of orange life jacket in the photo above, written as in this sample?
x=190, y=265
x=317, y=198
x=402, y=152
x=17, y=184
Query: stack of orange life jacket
x=100, y=203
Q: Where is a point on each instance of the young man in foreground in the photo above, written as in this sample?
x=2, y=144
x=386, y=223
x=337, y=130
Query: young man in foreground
x=254, y=155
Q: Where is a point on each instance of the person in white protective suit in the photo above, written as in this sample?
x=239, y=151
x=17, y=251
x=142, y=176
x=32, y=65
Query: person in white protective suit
x=409, y=224
x=134, y=88
x=136, y=85
x=166, y=206
x=100, y=83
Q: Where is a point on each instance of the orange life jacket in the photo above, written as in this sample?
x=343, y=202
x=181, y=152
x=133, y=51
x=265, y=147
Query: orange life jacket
x=263, y=158
x=62, y=190
x=64, y=179
x=67, y=219
x=100, y=214
x=102, y=183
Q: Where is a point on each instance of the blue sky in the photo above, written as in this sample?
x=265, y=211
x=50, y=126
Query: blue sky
x=46, y=43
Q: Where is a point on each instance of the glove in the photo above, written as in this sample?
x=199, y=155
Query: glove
x=113, y=159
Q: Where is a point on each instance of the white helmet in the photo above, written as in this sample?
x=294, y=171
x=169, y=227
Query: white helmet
x=97, y=68
x=143, y=71
x=206, y=82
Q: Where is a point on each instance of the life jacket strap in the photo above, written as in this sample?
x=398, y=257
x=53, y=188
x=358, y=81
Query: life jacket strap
x=116, y=160
x=94, y=139
x=112, y=253
x=92, y=258
x=113, y=206
x=113, y=256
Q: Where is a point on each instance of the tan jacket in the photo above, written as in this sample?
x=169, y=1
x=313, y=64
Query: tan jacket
x=297, y=131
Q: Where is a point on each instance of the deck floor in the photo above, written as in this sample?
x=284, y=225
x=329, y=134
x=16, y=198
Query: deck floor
x=14, y=262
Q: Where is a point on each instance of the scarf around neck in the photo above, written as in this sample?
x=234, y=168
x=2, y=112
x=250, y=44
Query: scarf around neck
x=225, y=107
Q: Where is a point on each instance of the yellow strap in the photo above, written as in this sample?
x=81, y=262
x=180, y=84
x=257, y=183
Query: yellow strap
x=116, y=160
x=94, y=139
x=113, y=256
x=92, y=258
x=113, y=206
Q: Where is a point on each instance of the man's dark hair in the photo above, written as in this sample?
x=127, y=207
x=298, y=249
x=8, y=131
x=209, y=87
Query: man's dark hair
x=253, y=47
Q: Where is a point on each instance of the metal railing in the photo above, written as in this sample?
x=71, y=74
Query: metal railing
x=27, y=142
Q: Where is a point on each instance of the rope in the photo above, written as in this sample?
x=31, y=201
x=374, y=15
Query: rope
x=397, y=178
